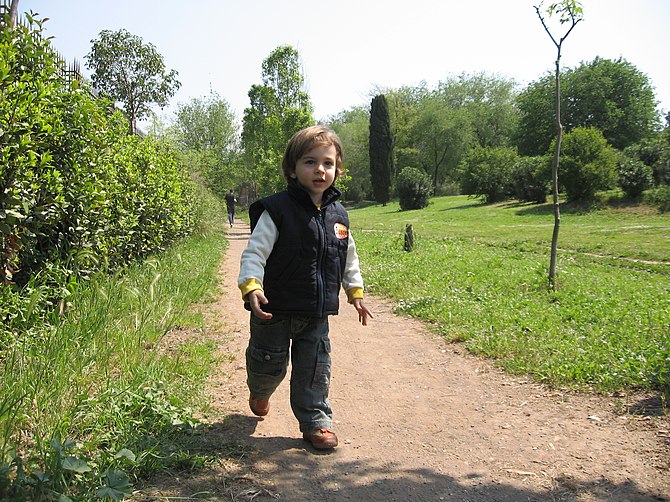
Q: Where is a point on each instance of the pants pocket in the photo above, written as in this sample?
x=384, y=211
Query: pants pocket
x=266, y=360
x=321, y=380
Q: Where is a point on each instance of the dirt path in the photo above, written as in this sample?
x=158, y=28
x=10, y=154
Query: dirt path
x=420, y=420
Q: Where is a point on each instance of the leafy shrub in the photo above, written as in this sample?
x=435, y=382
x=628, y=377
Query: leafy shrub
x=414, y=188
x=659, y=197
x=634, y=176
x=654, y=152
x=77, y=193
x=487, y=172
x=530, y=179
x=587, y=164
x=75, y=189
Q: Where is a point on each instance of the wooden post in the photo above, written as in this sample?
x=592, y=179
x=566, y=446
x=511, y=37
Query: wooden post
x=409, y=237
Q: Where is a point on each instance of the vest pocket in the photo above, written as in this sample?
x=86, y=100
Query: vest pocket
x=321, y=380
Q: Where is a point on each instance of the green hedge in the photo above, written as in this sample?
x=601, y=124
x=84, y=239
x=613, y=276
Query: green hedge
x=77, y=194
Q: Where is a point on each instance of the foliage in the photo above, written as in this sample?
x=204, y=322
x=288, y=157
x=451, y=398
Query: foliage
x=489, y=103
x=530, y=179
x=279, y=108
x=404, y=110
x=207, y=135
x=659, y=197
x=414, y=188
x=381, y=149
x=611, y=95
x=97, y=397
x=131, y=72
x=634, y=176
x=352, y=127
x=588, y=164
x=443, y=135
x=487, y=172
x=78, y=194
x=654, y=152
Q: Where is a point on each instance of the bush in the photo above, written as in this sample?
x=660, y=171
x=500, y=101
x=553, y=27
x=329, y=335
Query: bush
x=587, y=164
x=487, y=172
x=530, y=179
x=654, y=152
x=634, y=176
x=414, y=188
x=659, y=197
x=77, y=194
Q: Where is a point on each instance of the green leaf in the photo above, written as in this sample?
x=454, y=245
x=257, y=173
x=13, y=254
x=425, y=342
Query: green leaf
x=117, y=486
x=75, y=465
x=125, y=453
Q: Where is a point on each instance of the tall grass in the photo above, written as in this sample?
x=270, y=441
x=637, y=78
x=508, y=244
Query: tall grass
x=608, y=325
x=94, y=374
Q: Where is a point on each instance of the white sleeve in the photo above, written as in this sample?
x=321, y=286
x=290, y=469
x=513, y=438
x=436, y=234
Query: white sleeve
x=259, y=247
x=352, y=271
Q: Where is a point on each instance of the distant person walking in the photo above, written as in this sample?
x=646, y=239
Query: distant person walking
x=230, y=205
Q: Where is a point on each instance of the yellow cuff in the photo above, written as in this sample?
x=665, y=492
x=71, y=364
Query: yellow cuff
x=354, y=293
x=248, y=286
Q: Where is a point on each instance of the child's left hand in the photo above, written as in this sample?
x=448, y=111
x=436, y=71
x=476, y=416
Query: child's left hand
x=363, y=311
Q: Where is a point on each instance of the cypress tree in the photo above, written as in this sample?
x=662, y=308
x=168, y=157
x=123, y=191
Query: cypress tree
x=381, y=149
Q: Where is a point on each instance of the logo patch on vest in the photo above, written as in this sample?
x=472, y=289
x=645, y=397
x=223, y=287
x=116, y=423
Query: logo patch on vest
x=341, y=231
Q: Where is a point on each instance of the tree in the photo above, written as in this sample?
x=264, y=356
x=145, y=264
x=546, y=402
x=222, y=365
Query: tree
x=207, y=132
x=404, y=105
x=352, y=126
x=442, y=135
x=381, y=149
x=570, y=11
x=611, y=95
x=489, y=102
x=615, y=97
x=279, y=107
x=130, y=72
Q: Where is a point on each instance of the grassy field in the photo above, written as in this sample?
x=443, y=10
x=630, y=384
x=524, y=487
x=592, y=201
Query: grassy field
x=478, y=274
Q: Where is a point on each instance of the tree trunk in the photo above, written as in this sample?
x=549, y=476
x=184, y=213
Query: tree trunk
x=554, y=178
x=14, y=13
x=409, y=237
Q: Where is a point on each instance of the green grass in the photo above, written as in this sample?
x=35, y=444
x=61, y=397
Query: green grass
x=634, y=232
x=478, y=274
x=89, y=400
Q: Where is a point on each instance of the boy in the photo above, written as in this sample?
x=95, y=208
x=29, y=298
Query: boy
x=299, y=254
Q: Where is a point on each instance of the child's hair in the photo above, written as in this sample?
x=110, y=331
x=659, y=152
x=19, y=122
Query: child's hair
x=306, y=139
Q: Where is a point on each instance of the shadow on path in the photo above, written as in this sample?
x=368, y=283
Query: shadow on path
x=290, y=460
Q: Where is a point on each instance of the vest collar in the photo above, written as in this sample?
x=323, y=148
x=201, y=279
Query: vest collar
x=300, y=193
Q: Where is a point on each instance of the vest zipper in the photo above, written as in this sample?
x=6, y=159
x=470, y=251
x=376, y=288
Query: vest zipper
x=320, y=286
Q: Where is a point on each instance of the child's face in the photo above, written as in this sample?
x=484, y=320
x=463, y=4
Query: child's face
x=316, y=170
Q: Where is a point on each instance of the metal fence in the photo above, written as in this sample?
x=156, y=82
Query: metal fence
x=70, y=71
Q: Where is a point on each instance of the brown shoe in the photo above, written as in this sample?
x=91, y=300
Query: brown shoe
x=321, y=439
x=259, y=407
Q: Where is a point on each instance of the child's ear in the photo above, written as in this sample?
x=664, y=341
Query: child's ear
x=293, y=175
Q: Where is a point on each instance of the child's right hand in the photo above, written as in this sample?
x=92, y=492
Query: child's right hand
x=256, y=299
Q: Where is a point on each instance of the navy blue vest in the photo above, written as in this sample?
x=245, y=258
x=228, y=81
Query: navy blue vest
x=303, y=274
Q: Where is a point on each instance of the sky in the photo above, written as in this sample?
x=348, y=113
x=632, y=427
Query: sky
x=352, y=48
